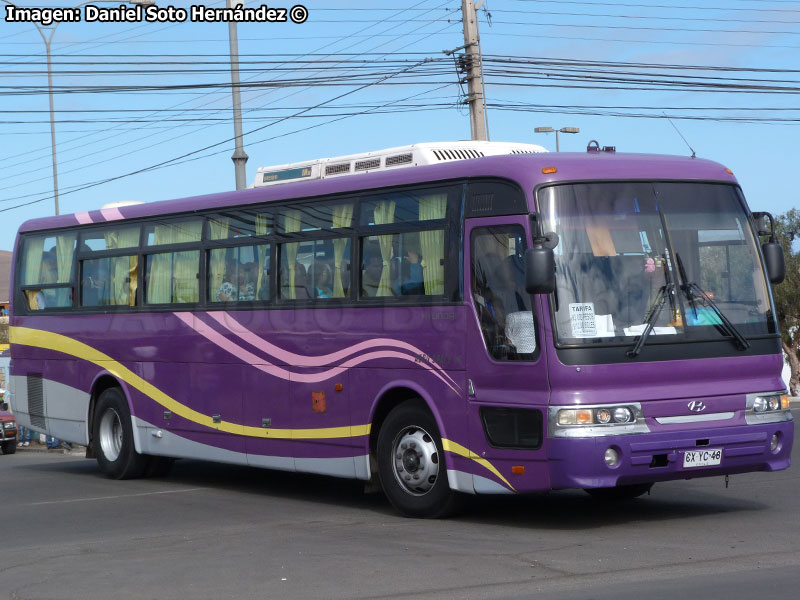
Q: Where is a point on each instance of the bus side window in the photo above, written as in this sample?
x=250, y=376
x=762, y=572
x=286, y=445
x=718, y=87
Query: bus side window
x=48, y=261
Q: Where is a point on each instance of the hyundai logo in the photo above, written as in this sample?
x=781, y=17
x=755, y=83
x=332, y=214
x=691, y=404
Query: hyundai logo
x=696, y=406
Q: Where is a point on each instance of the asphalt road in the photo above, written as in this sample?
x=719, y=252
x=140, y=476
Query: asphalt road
x=217, y=531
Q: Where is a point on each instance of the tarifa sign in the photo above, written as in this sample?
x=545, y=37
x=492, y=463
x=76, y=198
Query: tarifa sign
x=155, y=14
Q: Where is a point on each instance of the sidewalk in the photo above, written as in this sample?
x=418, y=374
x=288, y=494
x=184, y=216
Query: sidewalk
x=40, y=447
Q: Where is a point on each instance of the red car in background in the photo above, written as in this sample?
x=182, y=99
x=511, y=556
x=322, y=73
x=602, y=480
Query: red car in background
x=8, y=430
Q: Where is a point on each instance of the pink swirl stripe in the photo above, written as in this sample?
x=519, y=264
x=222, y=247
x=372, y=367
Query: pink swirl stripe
x=317, y=361
x=263, y=365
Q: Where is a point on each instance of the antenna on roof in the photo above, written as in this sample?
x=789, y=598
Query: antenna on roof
x=680, y=134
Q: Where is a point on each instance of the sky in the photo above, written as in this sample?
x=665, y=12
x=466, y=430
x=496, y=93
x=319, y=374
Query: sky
x=143, y=109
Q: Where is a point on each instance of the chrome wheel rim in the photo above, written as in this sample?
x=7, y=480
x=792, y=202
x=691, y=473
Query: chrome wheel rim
x=416, y=460
x=111, y=434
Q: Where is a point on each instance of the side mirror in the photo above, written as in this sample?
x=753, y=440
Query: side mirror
x=540, y=265
x=775, y=261
x=763, y=223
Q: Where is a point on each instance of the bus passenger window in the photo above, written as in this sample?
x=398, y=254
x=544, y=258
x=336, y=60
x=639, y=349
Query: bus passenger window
x=315, y=269
x=109, y=281
x=48, y=261
x=504, y=307
x=403, y=264
x=173, y=277
x=239, y=274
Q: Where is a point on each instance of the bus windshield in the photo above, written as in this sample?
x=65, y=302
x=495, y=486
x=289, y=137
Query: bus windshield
x=681, y=256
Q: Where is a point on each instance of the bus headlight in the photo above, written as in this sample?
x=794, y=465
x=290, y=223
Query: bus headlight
x=611, y=415
x=623, y=414
x=767, y=408
x=597, y=420
x=762, y=404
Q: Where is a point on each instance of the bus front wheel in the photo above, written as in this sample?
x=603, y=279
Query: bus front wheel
x=411, y=463
x=113, y=437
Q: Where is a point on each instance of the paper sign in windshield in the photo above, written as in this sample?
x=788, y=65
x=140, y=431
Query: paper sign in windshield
x=581, y=316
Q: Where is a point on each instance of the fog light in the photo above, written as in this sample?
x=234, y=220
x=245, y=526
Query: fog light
x=759, y=404
x=775, y=443
x=603, y=416
x=622, y=415
x=611, y=457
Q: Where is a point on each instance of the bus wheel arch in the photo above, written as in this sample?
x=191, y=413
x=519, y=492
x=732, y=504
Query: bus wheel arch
x=112, y=436
x=101, y=383
x=406, y=449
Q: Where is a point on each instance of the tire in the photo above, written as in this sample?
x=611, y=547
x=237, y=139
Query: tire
x=411, y=464
x=158, y=466
x=10, y=447
x=619, y=493
x=112, y=436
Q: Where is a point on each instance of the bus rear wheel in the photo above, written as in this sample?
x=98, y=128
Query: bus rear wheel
x=113, y=437
x=411, y=463
x=9, y=447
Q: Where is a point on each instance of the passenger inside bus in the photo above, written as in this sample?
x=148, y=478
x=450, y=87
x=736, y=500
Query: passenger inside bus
x=371, y=274
x=408, y=281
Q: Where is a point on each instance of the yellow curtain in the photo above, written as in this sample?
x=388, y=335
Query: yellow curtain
x=432, y=242
x=173, y=275
x=384, y=215
x=262, y=228
x=34, y=249
x=123, y=270
x=32, y=302
x=185, y=286
x=218, y=229
x=342, y=217
x=291, y=224
x=65, y=255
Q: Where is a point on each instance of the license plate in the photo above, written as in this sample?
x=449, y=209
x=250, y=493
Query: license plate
x=702, y=458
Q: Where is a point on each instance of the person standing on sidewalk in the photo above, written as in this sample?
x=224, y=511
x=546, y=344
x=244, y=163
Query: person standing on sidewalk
x=24, y=436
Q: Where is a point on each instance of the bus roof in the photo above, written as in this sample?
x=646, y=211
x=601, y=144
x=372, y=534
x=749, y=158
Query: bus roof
x=525, y=169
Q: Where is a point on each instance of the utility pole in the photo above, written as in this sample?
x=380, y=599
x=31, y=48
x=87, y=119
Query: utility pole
x=239, y=157
x=472, y=41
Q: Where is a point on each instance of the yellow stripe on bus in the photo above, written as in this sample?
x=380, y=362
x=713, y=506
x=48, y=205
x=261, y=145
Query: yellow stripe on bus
x=455, y=448
x=66, y=345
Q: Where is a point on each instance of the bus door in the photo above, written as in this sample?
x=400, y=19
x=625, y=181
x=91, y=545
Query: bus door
x=507, y=387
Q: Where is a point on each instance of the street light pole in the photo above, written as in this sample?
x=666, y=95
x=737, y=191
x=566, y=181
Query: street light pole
x=47, y=43
x=557, y=131
x=239, y=155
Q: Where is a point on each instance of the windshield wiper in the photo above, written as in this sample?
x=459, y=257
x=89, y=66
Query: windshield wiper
x=694, y=292
x=652, y=317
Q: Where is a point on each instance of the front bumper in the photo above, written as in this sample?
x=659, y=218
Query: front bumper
x=579, y=462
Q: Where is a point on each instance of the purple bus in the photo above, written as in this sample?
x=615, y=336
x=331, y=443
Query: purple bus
x=462, y=318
